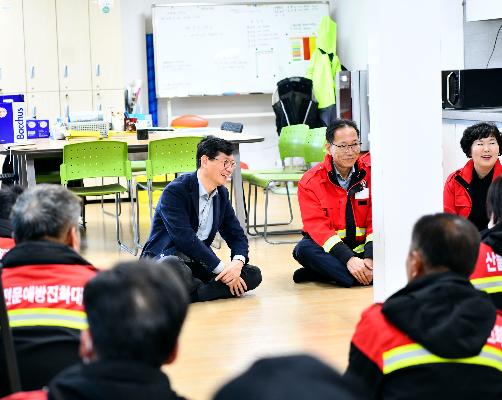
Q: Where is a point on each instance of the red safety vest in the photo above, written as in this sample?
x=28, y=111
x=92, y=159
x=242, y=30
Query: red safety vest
x=46, y=295
x=5, y=245
x=487, y=275
x=392, y=350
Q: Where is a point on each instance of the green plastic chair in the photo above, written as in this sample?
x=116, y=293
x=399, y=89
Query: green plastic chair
x=167, y=156
x=100, y=159
x=314, y=145
x=291, y=144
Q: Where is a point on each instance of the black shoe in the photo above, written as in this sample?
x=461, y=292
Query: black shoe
x=307, y=275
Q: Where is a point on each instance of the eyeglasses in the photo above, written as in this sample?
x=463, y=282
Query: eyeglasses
x=226, y=163
x=346, y=147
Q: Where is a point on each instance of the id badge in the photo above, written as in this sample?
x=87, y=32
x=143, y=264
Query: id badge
x=363, y=194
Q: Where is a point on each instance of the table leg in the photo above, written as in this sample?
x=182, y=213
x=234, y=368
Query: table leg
x=30, y=172
x=19, y=161
x=238, y=192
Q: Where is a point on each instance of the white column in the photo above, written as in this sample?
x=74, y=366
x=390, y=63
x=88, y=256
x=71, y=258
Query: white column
x=405, y=113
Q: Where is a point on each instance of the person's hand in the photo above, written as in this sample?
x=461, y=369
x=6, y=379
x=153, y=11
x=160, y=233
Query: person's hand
x=237, y=287
x=357, y=268
x=231, y=272
x=369, y=263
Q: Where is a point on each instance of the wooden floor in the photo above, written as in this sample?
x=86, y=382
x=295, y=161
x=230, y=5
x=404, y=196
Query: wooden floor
x=222, y=338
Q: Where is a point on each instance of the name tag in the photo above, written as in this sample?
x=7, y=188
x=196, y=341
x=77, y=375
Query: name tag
x=363, y=194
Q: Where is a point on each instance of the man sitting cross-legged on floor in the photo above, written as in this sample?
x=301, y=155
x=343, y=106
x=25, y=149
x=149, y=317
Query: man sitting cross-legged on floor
x=191, y=210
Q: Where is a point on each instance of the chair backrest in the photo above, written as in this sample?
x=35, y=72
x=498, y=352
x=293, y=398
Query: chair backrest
x=171, y=155
x=292, y=141
x=314, y=145
x=189, y=121
x=95, y=159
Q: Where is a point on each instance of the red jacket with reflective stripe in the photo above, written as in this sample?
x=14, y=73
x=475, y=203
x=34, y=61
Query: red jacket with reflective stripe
x=378, y=361
x=322, y=204
x=5, y=245
x=456, y=198
x=56, y=286
x=487, y=275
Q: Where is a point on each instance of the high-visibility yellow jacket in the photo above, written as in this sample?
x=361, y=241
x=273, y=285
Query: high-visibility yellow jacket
x=324, y=64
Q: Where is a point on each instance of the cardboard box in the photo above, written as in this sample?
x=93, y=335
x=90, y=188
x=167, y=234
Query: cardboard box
x=38, y=128
x=12, y=122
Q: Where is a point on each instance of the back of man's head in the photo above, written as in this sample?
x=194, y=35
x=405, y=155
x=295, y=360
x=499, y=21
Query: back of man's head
x=211, y=146
x=44, y=211
x=446, y=241
x=135, y=311
x=8, y=197
x=287, y=377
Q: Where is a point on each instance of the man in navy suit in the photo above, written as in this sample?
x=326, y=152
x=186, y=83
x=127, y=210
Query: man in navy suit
x=191, y=210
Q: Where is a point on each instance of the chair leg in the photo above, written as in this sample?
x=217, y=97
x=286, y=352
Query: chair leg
x=150, y=198
x=83, y=213
x=138, y=242
x=133, y=250
x=265, y=230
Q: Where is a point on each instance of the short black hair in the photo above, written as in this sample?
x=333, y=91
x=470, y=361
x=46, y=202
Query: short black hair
x=446, y=240
x=478, y=131
x=210, y=146
x=135, y=311
x=494, y=201
x=337, y=124
x=8, y=197
x=288, y=377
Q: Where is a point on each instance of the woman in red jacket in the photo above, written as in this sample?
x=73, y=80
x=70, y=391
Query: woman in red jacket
x=465, y=189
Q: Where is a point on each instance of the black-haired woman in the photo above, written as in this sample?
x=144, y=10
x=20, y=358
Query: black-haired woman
x=465, y=190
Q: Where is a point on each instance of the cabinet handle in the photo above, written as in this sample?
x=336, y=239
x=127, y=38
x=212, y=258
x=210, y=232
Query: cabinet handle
x=66, y=71
x=67, y=111
x=98, y=70
x=34, y=113
x=33, y=72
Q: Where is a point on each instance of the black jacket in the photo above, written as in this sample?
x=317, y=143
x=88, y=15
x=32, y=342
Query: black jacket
x=109, y=380
x=176, y=221
x=443, y=315
x=5, y=228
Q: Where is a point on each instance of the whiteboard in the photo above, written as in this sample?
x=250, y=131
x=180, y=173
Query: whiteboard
x=215, y=49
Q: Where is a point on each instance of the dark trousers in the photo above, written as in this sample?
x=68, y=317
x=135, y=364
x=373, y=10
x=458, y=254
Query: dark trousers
x=312, y=256
x=200, y=282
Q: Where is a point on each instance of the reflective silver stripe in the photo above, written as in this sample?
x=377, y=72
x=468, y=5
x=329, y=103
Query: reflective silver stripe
x=414, y=354
x=488, y=285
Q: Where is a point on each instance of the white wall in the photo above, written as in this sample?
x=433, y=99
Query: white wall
x=351, y=17
x=478, y=43
x=406, y=169
x=137, y=16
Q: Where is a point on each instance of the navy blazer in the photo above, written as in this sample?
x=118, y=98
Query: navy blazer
x=176, y=221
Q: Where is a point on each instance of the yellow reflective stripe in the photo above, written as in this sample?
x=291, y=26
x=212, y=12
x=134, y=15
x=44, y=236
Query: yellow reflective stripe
x=492, y=284
x=342, y=233
x=369, y=238
x=48, y=317
x=360, y=231
x=328, y=244
x=359, y=249
x=414, y=354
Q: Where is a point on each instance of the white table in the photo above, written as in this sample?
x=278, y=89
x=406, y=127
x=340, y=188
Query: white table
x=24, y=156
